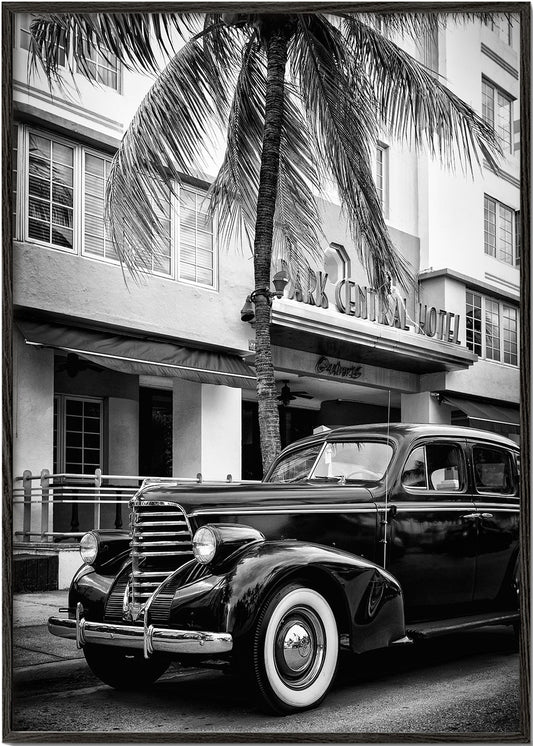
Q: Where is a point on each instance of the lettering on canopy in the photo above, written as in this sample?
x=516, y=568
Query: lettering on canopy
x=364, y=302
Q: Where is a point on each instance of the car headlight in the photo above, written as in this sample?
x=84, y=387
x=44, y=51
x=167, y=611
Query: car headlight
x=204, y=545
x=89, y=548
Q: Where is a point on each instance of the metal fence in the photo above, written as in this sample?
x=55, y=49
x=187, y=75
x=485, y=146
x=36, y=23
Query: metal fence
x=61, y=507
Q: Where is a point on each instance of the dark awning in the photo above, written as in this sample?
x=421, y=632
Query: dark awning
x=486, y=414
x=141, y=356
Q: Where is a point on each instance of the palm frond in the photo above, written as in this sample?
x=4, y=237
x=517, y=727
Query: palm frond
x=297, y=228
x=415, y=107
x=170, y=134
x=342, y=114
x=233, y=194
x=235, y=191
x=133, y=38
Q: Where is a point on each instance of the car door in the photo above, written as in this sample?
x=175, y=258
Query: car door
x=433, y=533
x=495, y=475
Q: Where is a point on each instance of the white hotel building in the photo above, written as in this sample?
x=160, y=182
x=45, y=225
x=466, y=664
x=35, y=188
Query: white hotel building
x=105, y=371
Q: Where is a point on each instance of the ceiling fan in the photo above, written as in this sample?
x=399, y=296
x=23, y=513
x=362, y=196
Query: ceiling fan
x=286, y=395
x=74, y=364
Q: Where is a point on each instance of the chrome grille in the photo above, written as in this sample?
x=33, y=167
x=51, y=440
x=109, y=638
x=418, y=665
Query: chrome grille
x=161, y=542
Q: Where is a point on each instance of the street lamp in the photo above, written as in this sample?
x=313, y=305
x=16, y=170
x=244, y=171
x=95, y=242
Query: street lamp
x=279, y=280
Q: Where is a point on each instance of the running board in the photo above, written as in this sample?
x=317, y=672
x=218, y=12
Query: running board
x=425, y=630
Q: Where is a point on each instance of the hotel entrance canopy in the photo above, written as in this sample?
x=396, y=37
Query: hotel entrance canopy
x=327, y=332
x=141, y=356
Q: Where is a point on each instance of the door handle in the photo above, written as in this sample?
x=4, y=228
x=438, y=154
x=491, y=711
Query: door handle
x=487, y=515
x=470, y=516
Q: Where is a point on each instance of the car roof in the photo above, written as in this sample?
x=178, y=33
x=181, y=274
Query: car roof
x=404, y=429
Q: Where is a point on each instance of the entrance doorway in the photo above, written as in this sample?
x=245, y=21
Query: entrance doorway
x=155, y=432
x=294, y=424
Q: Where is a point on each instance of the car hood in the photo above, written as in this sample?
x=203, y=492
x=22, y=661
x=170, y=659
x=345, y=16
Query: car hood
x=195, y=497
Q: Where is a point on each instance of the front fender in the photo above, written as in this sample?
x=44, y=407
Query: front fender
x=366, y=600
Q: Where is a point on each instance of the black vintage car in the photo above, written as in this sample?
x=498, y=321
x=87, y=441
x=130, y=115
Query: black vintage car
x=358, y=538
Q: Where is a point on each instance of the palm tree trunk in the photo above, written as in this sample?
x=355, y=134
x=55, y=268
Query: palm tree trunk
x=266, y=205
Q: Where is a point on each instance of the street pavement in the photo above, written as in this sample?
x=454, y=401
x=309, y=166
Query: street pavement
x=33, y=645
x=463, y=684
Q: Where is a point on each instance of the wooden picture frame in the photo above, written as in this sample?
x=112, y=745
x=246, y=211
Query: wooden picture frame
x=284, y=733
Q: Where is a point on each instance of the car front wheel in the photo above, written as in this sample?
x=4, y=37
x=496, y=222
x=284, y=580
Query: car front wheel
x=295, y=649
x=124, y=669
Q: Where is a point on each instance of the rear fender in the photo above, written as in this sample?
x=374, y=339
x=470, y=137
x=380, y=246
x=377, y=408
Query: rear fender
x=367, y=601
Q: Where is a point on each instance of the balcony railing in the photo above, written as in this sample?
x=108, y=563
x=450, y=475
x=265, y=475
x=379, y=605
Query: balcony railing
x=61, y=507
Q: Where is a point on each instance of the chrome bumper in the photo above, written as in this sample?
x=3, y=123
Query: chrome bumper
x=149, y=639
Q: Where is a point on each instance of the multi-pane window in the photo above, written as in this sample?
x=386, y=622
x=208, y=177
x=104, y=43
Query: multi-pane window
x=491, y=328
x=382, y=175
x=50, y=191
x=496, y=109
x=499, y=231
x=100, y=67
x=61, y=203
x=24, y=36
x=473, y=323
x=78, y=435
x=196, y=257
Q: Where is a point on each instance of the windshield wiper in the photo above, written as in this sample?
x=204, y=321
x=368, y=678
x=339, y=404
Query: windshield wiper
x=338, y=479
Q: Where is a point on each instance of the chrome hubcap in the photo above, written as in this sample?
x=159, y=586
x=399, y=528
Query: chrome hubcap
x=300, y=647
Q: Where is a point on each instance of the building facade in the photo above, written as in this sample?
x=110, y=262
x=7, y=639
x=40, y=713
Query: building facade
x=156, y=377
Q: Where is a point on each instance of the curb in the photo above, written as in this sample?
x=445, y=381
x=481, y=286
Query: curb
x=51, y=669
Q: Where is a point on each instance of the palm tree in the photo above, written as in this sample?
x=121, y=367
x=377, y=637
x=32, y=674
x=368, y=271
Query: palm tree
x=302, y=97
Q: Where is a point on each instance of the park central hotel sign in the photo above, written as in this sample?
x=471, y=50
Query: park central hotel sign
x=363, y=302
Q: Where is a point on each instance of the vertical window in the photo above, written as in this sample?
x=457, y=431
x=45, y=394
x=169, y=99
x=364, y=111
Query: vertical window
x=14, y=176
x=161, y=259
x=490, y=226
x=96, y=241
x=196, y=250
x=517, y=237
x=510, y=335
x=382, y=167
x=50, y=191
x=430, y=49
x=473, y=322
x=496, y=109
x=78, y=435
x=499, y=231
x=491, y=329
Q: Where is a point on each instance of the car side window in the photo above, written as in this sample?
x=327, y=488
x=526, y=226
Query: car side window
x=493, y=470
x=435, y=466
x=414, y=473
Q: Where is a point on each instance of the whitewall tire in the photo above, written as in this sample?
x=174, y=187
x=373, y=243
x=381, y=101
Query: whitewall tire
x=295, y=650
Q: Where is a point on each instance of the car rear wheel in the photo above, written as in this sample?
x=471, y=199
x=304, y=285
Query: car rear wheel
x=124, y=669
x=295, y=650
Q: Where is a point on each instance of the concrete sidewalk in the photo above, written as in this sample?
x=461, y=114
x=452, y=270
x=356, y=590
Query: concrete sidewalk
x=33, y=645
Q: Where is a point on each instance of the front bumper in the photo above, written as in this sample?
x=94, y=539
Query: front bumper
x=150, y=639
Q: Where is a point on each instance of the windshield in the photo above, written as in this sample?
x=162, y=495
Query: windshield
x=296, y=466
x=355, y=461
